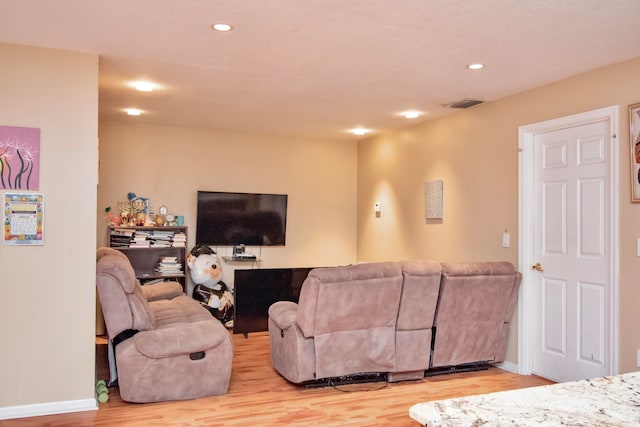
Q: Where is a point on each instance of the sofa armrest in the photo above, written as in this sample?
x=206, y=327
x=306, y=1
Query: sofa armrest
x=181, y=339
x=164, y=290
x=283, y=313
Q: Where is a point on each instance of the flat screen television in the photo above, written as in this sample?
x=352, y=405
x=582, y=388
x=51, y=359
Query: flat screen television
x=230, y=219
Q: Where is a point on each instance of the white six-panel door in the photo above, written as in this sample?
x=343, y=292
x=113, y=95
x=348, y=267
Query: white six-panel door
x=569, y=282
x=572, y=290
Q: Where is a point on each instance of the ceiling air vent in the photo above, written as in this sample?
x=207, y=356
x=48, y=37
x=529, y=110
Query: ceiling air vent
x=465, y=103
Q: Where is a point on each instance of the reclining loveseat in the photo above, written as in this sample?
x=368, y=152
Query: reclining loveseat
x=166, y=345
x=402, y=319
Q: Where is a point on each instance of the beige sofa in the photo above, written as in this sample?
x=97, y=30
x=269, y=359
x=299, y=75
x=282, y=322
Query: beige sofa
x=167, y=346
x=393, y=318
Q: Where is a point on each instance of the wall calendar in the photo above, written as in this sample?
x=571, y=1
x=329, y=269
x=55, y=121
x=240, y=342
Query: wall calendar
x=23, y=219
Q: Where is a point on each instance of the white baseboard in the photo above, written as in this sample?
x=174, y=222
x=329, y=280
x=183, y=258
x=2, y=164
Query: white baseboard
x=508, y=366
x=50, y=408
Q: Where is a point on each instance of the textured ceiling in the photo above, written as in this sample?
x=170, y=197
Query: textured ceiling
x=315, y=68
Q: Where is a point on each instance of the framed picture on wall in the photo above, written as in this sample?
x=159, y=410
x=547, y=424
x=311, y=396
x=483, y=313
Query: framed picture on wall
x=19, y=158
x=634, y=141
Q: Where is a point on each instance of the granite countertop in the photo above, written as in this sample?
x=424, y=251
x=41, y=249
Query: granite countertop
x=604, y=401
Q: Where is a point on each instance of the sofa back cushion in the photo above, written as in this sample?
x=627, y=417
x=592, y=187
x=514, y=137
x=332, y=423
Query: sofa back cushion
x=419, y=294
x=123, y=304
x=476, y=299
x=352, y=297
x=351, y=313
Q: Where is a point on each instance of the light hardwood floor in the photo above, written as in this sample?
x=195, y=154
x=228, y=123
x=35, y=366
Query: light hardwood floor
x=258, y=396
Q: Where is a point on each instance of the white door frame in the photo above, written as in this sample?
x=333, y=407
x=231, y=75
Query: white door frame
x=526, y=136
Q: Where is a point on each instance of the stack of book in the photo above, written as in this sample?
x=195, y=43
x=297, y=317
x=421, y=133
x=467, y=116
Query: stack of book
x=179, y=240
x=169, y=266
x=121, y=237
x=161, y=238
x=139, y=240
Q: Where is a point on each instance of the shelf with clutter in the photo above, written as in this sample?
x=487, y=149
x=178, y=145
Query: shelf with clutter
x=156, y=244
x=136, y=212
x=156, y=253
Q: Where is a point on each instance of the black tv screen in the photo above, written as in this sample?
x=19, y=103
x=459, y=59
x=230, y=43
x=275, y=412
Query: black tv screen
x=229, y=219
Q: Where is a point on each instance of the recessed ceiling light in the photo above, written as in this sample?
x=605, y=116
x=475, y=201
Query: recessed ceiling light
x=475, y=66
x=144, y=86
x=133, y=111
x=411, y=114
x=359, y=131
x=222, y=27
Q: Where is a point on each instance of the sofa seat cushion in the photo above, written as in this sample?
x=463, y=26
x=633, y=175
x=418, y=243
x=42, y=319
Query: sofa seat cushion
x=182, y=339
x=181, y=309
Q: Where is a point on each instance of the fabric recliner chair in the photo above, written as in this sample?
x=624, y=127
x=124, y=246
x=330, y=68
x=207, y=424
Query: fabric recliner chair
x=167, y=346
x=475, y=306
x=344, y=323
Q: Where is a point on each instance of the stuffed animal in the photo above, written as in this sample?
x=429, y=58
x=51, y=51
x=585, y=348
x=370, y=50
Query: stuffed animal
x=210, y=290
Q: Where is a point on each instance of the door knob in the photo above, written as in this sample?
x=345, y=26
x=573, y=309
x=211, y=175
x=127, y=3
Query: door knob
x=538, y=267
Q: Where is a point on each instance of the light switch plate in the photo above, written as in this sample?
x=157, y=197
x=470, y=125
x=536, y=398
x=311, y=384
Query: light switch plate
x=638, y=246
x=505, y=239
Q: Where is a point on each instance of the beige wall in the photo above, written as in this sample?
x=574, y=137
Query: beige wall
x=169, y=165
x=475, y=152
x=47, y=293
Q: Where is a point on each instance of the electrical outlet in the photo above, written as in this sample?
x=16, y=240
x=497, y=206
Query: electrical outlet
x=638, y=358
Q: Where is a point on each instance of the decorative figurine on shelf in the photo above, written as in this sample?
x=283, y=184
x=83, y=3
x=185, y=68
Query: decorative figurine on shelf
x=140, y=208
x=141, y=204
x=161, y=217
x=134, y=211
x=125, y=212
x=112, y=219
x=210, y=290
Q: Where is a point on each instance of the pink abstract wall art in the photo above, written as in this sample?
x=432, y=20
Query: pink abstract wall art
x=19, y=158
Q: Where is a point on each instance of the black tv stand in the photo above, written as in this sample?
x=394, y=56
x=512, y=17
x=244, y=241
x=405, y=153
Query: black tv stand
x=255, y=290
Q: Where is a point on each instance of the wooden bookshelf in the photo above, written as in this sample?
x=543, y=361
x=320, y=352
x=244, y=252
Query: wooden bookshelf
x=146, y=247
